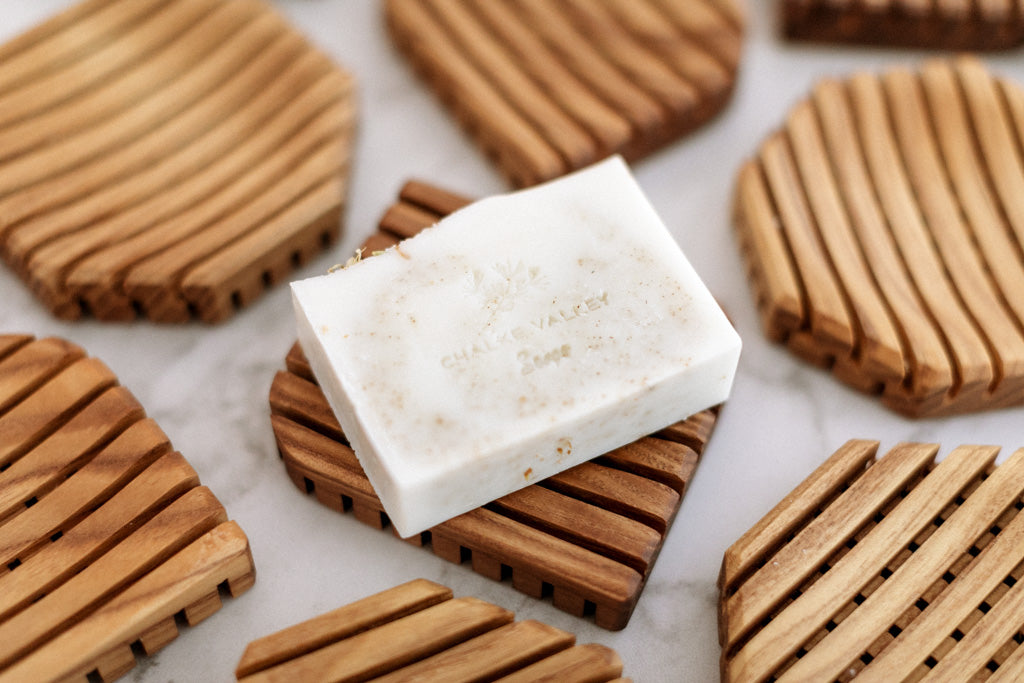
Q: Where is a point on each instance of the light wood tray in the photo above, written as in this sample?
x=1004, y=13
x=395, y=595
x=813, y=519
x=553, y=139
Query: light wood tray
x=107, y=541
x=548, y=87
x=883, y=230
x=587, y=538
x=887, y=569
x=418, y=631
x=167, y=158
x=948, y=24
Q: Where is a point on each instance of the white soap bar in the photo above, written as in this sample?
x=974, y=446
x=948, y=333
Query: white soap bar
x=520, y=336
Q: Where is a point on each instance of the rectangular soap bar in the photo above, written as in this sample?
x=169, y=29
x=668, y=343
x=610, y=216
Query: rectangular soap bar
x=518, y=337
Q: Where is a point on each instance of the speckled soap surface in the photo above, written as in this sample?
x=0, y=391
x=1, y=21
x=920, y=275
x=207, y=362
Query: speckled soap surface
x=520, y=336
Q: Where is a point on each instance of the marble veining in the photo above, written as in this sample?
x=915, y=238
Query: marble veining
x=207, y=386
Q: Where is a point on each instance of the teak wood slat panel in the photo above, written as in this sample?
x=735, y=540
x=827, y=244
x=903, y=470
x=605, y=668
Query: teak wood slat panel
x=926, y=586
x=546, y=88
x=883, y=231
x=419, y=631
x=587, y=537
x=105, y=532
x=947, y=24
x=168, y=160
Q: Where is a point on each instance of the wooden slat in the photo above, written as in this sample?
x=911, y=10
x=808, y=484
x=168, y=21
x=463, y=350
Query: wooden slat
x=106, y=58
x=133, y=85
x=610, y=130
x=56, y=42
x=67, y=449
x=405, y=220
x=339, y=624
x=152, y=226
x=956, y=248
x=219, y=557
x=183, y=146
x=559, y=130
x=144, y=113
x=627, y=494
x=930, y=589
x=633, y=57
x=685, y=56
x=924, y=352
x=29, y=422
x=395, y=643
x=773, y=274
x=110, y=469
x=418, y=631
x=717, y=31
x=878, y=351
x=21, y=372
x=584, y=663
x=434, y=199
x=967, y=171
x=588, y=526
x=487, y=655
x=658, y=459
x=548, y=88
x=93, y=503
x=593, y=542
x=828, y=318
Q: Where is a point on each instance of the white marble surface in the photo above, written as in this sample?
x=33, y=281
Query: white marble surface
x=207, y=386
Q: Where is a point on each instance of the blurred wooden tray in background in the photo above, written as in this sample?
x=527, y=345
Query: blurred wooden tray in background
x=968, y=25
x=170, y=159
x=545, y=88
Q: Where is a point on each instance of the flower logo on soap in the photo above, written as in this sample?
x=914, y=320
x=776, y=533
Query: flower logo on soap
x=501, y=285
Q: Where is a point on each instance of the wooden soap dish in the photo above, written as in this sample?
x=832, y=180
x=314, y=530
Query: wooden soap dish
x=883, y=230
x=107, y=539
x=887, y=569
x=167, y=158
x=587, y=537
x=549, y=87
x=418, y=631
x=948, y=25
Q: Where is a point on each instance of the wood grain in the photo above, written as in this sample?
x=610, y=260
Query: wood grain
x=943, y=24
x=586, y=538
x=105, y=532
x=882, y=232
x=419, y=631
x=546, y=88
x=168, y=159
x=847, y=580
